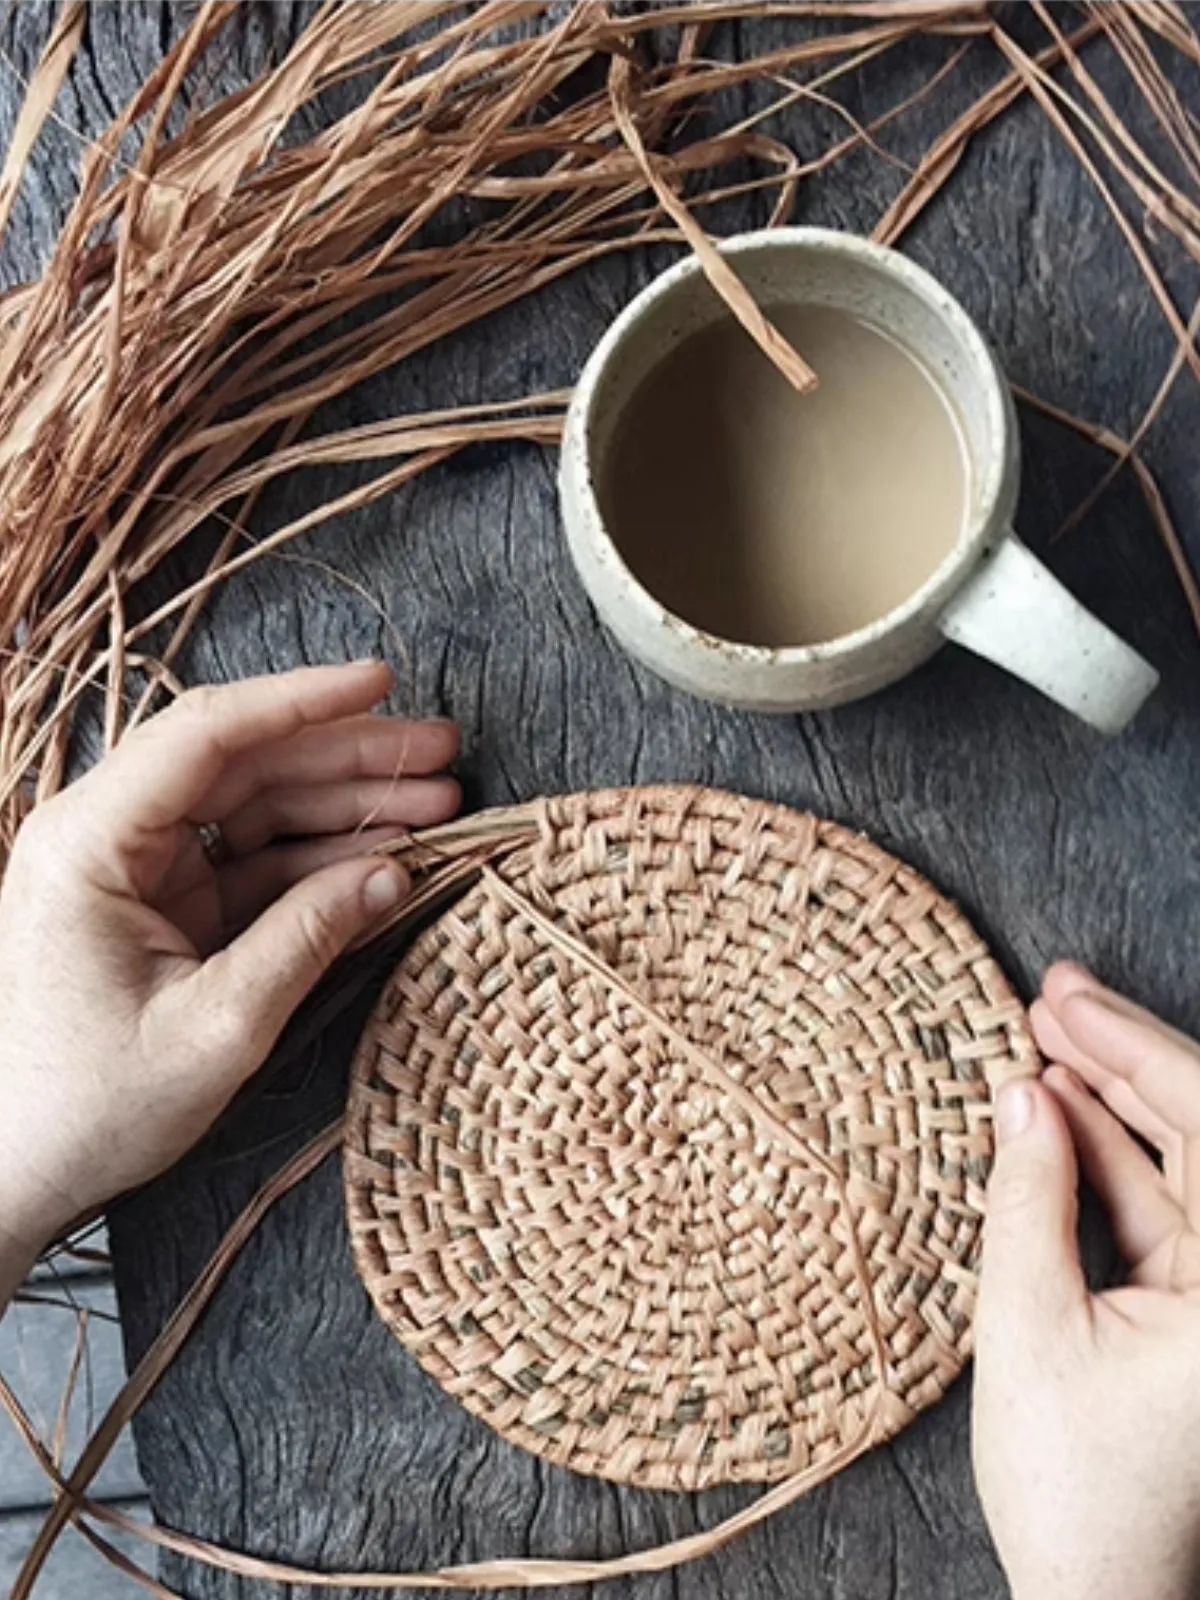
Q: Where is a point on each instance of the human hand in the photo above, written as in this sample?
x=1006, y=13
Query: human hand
x=140, y=985
x=1087, y=1407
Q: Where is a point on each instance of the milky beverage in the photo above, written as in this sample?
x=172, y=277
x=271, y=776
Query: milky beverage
x=774, y=518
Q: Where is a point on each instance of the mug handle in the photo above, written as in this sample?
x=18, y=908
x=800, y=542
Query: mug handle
x=1013, y=611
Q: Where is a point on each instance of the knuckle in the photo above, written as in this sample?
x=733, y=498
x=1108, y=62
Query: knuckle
x=35, y=831
x=222, y=1028
x=318, y=933
x=199, y=703
x=41, y=841
x=273, y=813
x=198, y=716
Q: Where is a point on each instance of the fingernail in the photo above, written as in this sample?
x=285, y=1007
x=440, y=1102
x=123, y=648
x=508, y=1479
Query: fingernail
x=1093, y=998
x=1076, y=967
x=1014, y=1111
x=383, y=890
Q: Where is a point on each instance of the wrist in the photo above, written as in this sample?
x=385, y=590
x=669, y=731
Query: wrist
x=19, y=1250
x=31, y=1213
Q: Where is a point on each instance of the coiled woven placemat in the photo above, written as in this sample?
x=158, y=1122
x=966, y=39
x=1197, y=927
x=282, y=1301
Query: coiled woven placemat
x=667, y=1141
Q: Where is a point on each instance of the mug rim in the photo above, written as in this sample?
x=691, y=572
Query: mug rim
x=988, y=514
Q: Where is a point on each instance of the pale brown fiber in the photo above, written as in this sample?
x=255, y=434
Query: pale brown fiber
x=190, y=320
x=667, y=1142
x=629, y=1112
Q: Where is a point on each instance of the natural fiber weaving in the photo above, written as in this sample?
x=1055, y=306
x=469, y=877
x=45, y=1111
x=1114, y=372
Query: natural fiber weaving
x=672, y=1127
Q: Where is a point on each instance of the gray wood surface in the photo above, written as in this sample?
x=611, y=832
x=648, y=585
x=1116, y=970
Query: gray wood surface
x=292, y=1424
x=74, y=1568
x=36, y=1345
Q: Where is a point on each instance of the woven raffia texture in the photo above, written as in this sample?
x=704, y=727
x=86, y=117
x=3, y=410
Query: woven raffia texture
x=641, y=1115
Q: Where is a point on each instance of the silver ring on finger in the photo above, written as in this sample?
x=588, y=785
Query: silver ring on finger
x=214, y=843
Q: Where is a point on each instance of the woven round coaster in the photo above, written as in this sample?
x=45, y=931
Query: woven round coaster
x=673, y=1131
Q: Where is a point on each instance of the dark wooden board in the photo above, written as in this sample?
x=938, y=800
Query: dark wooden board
x=291, y=1424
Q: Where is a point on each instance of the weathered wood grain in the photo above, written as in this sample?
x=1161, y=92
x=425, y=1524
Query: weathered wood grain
x=292, y=1425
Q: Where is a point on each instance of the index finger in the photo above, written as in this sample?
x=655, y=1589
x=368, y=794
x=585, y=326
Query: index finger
x=1160, y=1065
x=161, y=772
x=1117, y=1092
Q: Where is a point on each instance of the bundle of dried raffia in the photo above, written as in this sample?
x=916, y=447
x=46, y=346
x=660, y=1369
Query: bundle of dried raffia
x=193, y=318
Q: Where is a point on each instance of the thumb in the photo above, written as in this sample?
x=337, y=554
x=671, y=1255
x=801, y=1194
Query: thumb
x=1031, y=1276
x=264, y=974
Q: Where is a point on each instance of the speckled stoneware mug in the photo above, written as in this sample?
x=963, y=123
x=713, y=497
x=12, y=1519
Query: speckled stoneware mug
x=989, y=593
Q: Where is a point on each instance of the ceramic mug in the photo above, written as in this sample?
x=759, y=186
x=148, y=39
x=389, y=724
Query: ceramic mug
x=989, y=593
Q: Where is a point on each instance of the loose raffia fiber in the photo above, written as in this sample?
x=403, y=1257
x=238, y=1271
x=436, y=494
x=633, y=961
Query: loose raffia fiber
x=191, y=320
x=674, y=1130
